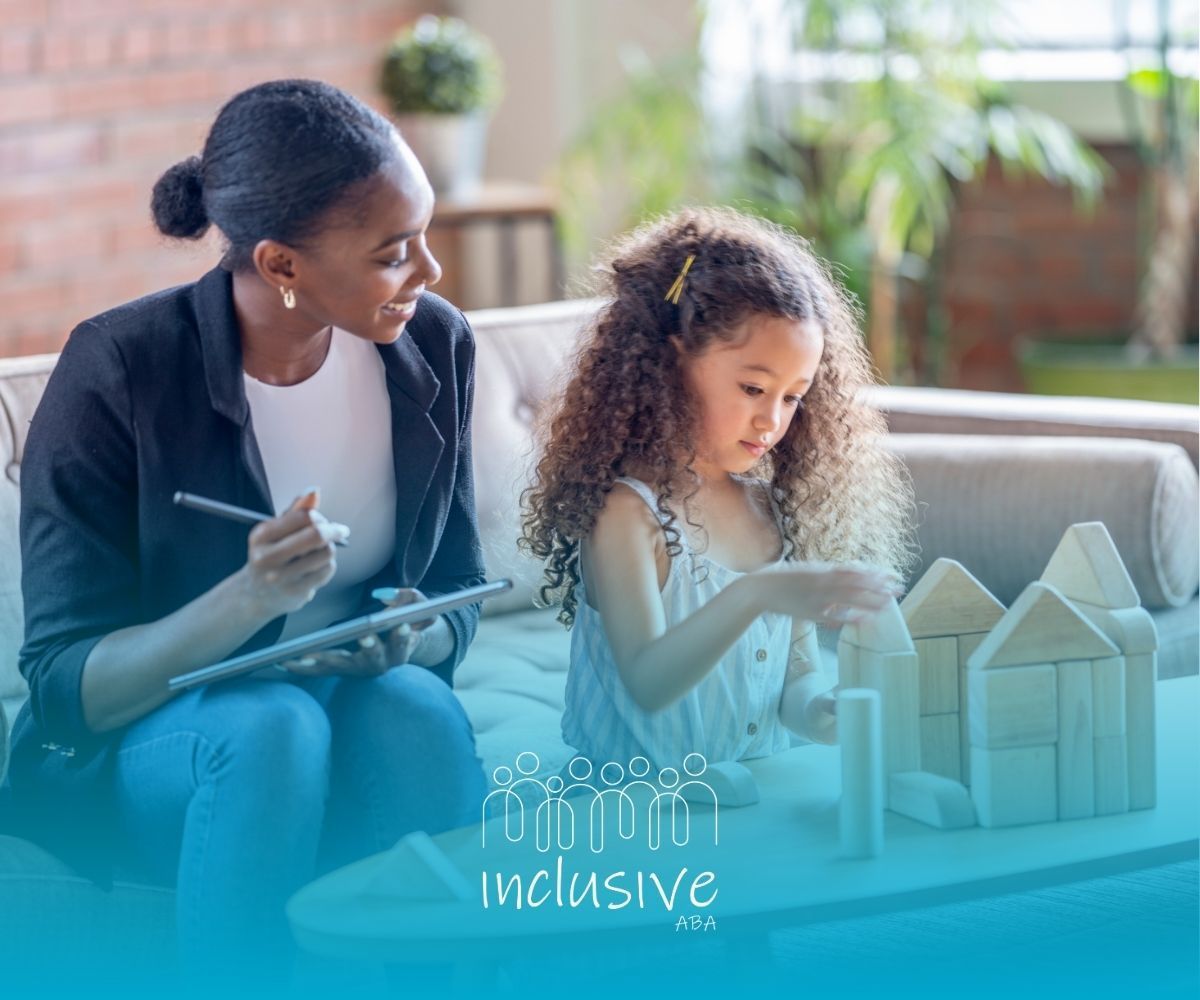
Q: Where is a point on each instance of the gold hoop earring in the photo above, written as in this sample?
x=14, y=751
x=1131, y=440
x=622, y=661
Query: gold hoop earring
x=289, y=298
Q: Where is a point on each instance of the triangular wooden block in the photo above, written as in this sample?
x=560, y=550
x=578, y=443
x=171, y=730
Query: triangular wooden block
x=884, y=632
x=1087, y=567
x=1040, y=627
x=414, y=869
x=948, y=600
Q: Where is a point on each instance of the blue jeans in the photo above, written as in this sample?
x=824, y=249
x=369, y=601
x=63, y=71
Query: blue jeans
x=240, y=793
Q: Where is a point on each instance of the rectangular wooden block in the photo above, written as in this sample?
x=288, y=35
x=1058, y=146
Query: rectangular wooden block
x=939, y=674
x=967, y=644
x=849, y=675
x=1140, y=672
x=940, y=747
x=1076, y=770
x=964, y=727
x=896, y=676
x=1014, y=786
x=1013, y=706
x=1108, y=696
x=1112, y=775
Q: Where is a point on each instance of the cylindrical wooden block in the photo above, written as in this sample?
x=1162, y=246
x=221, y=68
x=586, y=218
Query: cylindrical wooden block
x=860, y=732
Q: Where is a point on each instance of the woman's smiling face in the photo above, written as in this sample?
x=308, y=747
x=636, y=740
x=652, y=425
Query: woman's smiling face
x=365, y=271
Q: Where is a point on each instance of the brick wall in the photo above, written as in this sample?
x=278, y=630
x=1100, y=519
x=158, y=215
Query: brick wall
x=98, y=97
x=1021, y=259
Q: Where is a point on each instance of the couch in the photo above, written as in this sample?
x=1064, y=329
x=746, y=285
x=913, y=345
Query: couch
x=998, y=479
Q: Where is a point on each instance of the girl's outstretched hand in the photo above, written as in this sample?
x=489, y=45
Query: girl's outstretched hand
x=829, y=594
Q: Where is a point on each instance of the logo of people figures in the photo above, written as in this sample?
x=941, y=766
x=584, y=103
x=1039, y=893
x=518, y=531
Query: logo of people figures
x=565, y=808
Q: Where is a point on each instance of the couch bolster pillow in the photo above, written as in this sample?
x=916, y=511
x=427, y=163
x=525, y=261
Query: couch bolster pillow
x=999, y=505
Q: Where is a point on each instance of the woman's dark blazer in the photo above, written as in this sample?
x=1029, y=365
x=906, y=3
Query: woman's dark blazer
x=148, y=399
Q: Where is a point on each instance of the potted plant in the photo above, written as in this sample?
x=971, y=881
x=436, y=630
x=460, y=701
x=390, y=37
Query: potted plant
x=441, y=79
x=1153, y=360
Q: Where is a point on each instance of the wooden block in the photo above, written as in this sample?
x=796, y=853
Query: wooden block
x=1041, y=627
x=1014, y=786
x=896, y=677
x=967, y=644
x=941, y=752
x=884, y=632
x=415, y=868
x=948, y=600
x=1087, y=567
x=964, y=726
x=1140, y=672
x=1013, y=707
x=860, y=810
x=849, y=675
x=1131, y=630
x=1108, y=697
x=939, y=674
x=1076, y=771
x=932, y=799
x=1112, y=775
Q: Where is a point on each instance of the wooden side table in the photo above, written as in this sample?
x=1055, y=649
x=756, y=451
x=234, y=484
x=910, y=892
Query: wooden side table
x=503, y=205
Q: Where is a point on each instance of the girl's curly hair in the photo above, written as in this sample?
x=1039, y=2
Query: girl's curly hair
x=626, y=411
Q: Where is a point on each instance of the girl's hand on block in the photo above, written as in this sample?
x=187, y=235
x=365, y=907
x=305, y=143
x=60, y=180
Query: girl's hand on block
x=827, y=594
x=820, y=718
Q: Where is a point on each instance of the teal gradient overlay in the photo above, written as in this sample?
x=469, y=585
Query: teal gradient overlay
x=1096, y=933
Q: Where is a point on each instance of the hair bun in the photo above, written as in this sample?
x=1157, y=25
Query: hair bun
x=178, y=201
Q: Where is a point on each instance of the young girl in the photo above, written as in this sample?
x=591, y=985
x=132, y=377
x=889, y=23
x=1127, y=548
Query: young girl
x=712, y=488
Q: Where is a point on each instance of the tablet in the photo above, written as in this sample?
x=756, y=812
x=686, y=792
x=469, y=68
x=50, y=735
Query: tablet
x=355, y=628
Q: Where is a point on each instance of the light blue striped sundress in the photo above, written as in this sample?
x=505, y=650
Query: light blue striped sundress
x=732, y=714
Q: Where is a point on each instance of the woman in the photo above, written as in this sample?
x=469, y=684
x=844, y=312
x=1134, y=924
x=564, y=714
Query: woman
x=311, y=355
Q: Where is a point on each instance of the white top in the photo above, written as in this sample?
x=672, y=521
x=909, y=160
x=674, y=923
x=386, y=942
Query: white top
x=732, y=714
x=334, y=431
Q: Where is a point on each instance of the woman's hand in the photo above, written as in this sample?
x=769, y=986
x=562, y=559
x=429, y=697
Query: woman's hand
x=375, y=655
x=827, y=594
x=290, y=557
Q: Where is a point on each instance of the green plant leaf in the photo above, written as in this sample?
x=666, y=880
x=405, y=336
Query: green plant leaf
x=1151, y=83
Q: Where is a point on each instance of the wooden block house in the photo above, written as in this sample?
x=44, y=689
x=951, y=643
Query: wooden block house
x=948, y=613
x=1046, y=700
x=1087, y=568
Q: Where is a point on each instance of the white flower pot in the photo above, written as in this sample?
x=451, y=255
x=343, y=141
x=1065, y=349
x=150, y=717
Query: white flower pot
x=450, y=147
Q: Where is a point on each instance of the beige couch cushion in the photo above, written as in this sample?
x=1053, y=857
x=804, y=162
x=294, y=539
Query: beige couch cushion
x=512, y=683
x=1029, y=490
x=42, y=896
x=914, y=410
x=521, y=355
x=21, y=385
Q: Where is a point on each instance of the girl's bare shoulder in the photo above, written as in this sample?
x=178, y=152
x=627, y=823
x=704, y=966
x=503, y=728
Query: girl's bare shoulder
x=625, y=511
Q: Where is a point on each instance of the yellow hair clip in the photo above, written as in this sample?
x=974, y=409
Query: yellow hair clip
x=674, y=291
